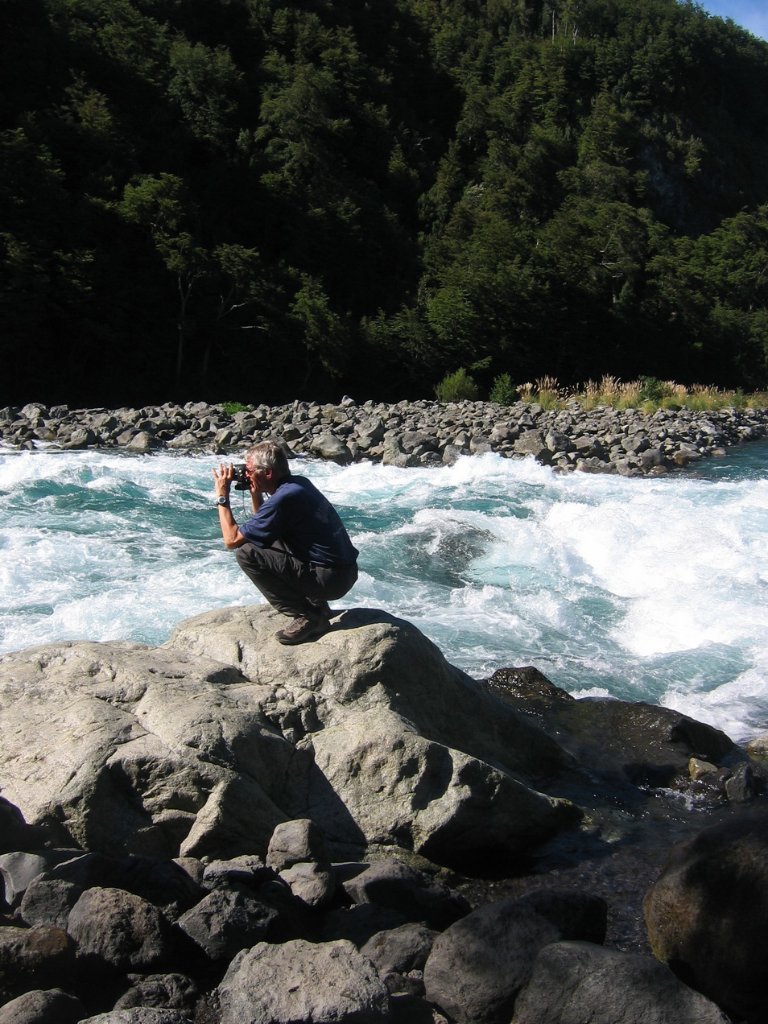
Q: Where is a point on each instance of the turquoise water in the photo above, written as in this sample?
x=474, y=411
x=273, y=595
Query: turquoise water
x=644, y=589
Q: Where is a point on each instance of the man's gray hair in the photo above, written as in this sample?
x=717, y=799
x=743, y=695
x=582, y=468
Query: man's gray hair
x=269, y=455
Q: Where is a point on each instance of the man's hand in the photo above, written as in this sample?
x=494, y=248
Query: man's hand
x=223, y=477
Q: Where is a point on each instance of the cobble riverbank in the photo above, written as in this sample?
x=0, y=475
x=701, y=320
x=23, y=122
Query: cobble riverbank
x=422, y=433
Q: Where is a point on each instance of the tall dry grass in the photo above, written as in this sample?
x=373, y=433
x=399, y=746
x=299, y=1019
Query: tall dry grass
x=647, y=394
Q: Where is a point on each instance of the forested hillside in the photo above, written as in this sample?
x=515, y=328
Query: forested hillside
x=265, y=200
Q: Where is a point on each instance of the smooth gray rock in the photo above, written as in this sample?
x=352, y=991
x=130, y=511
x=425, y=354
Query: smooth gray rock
x=377, y=700
x=311, y=883
x=43, y=1006
x=328, y=446
x=301, y=981
x=125, y=748
x=294, y=841
x=572, y=982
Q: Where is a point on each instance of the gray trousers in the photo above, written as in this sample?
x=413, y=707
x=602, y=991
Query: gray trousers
x=291, y=586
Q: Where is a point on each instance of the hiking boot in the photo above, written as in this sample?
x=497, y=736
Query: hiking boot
x=303, y=629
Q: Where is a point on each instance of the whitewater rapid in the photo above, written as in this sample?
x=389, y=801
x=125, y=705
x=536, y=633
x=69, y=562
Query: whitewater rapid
x=644, y=589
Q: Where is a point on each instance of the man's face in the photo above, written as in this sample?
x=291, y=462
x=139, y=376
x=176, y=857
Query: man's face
x=258, y=477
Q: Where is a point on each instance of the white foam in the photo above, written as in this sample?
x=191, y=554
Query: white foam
x=644, y=589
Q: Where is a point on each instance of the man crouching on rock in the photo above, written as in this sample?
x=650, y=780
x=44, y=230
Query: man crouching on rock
x=294, y=547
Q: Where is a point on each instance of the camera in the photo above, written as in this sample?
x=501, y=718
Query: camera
x=241, y=482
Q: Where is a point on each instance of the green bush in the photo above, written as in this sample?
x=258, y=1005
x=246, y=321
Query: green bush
x=653, y=390
x=230, y=408
x=456, y=387
x=503, y=390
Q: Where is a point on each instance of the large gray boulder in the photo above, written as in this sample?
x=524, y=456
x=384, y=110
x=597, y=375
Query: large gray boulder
x=572, y=982
x=706, y=914
x=120, y=931
x=203, y=746
x=302, y=981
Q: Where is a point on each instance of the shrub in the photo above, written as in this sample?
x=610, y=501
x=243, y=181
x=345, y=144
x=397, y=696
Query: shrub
x=503, y=390
x=456, y=387
x=230, y=408
x=653, y=390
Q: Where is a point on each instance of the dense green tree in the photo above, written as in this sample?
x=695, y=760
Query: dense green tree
x=366, y=197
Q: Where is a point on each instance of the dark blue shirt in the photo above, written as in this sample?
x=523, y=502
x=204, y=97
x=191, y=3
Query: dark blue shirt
x=303, y=519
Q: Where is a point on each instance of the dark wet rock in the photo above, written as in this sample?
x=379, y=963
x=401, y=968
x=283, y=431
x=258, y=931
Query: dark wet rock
x=360, y=923
x=31, y=958
x=479, y=964
x=162, y=882
x=246, y=870
x=15, y=833
x=579, y=981
x=641, y=743
x=705, y=914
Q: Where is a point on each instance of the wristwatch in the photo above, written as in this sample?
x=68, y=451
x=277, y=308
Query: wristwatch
x=222, y=500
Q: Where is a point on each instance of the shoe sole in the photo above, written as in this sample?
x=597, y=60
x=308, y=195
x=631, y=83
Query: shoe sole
x=313, y=634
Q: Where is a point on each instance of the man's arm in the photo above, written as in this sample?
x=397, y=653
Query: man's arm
x=223, y=478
